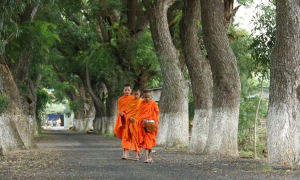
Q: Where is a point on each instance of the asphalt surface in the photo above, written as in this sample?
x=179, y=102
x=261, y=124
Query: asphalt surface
x=65, y=154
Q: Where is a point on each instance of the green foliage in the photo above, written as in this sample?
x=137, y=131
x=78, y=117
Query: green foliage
x=22, y=86
x=73, y=106
x=246, y=3
x=61, y=88
x=40, y=34
x=145, y=56
x=240, y=43
x=191, y=106
x=4, y=100
x=263, y=36
x=42, y=99
x=8, y=12
x=247, y=112
x=245, y=143
x=55, y=108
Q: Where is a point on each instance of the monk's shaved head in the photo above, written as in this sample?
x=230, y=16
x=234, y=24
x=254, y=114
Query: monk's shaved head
x=127, y=89
x=146, y=95
x=136, y=90
x=136, y=93
x=127, y=85
x=146, y=91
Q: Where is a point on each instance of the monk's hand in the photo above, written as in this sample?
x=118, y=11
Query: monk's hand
x=122, y=113
x=144, y=121
x=132, y=119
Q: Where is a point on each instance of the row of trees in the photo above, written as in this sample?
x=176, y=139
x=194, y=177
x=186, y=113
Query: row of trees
x=86, y=51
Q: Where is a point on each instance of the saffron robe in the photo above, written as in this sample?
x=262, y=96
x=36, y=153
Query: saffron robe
x=147, y=110
x=122, y=106
x=131, y=128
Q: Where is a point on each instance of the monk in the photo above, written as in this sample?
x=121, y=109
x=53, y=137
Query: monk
x=148, y=113
x=131, y=130
x=121, y=118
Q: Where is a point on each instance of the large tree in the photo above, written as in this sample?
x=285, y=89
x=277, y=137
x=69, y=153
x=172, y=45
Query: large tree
x=283, y=116
x=18, y=88
x=199, y=71
x=222, y=138
x=173, y=104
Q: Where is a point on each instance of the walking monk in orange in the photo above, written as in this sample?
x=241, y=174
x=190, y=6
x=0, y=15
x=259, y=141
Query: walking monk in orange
x=131, y=130
x=121, y=119
x=148, y=118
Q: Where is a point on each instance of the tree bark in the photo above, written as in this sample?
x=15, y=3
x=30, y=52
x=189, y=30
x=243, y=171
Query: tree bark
x=100, y=108
x=81, y=121
x=101, y=91
x=256, y=117
x=20, y=74
x=200, y=74
x=173, y=129
x=14, y=129
x=223, y=128
x=283, y=117
x=111, y=109
x=89, y=112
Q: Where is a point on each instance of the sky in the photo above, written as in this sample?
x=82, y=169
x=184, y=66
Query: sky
x=244, y=15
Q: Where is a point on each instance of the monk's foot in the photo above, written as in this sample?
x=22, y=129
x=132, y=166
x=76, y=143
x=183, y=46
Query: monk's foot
x=136, y=159
x=148, y=161
x=127, y=158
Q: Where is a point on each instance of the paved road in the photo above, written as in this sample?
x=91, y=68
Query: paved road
x=71, y=155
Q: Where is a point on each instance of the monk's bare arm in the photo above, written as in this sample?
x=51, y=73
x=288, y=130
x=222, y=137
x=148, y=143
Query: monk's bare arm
x=157, y=113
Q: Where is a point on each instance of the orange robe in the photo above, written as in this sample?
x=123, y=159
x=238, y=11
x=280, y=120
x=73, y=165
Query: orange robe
x=148, y=110
x=122, y=106
x=131, y=129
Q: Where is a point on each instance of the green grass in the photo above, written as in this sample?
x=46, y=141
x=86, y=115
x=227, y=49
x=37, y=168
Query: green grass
x=43, y=135
x=263, y=168
x=108, y=135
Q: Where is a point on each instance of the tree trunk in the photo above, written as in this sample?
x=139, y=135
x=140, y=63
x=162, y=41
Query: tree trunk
x=111, y=109
x=223, y=128
x=81, y=121
x=173, y=129
x=14, y=129
x=89, y=115
x=100, y=108
x=297, y=131
x=283, y=117
x=27, y=90
x=200, y=74
x=255, y=119
x=97, y=124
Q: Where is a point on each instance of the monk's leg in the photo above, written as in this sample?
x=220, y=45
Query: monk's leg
x=149, y=142
x=126, y=146
x=149, y=157
x=135, y=147
x=147, y=154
